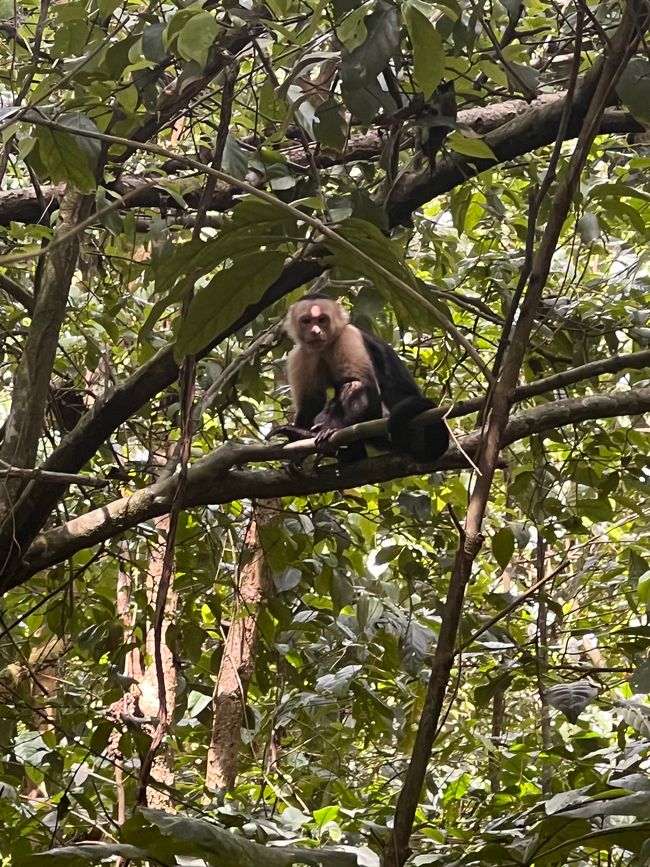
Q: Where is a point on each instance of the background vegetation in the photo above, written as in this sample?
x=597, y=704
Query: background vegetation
x=203, y=648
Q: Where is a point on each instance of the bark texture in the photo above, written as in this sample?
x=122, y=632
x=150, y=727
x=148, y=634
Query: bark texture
x=238, y=660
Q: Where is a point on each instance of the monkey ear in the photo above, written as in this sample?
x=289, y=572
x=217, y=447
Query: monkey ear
x=343, y=313
x=289, y=324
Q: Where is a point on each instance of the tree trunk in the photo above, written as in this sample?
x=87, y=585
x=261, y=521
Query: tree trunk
x=238, y=661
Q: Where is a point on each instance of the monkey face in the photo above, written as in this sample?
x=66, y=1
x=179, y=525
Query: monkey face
x=314, y=326
x=316, y=322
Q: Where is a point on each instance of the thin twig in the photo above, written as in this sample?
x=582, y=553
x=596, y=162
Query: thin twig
x=7, y=470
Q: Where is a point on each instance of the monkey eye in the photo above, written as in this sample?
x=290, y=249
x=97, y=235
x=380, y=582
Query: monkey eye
x=322, y=320
x=306, y=320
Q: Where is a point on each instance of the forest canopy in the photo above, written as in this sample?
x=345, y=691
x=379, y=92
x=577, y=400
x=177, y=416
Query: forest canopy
x=217, y=647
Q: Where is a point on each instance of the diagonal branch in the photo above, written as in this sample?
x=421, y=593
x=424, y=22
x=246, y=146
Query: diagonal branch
x=595, y=93
x=113, y=409
x=32, y=379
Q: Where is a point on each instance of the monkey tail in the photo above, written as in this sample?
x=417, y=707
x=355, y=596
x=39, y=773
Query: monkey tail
x=424, y=443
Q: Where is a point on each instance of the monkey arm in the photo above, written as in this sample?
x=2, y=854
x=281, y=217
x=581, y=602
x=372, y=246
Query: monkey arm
x=290, y=431
x=308, y=408
x=354, y=402
x=359, y=402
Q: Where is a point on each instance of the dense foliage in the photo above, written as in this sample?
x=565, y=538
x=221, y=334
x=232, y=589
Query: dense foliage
x=174, y=175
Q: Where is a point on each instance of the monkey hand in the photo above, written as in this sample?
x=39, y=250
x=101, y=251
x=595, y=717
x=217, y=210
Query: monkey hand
x=323, y=438
x=290, y=431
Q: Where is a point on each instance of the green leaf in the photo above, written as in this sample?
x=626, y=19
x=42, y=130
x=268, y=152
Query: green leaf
x=428, y=50
x=331, y=128
x=197, y=38
x=589, y=228
x=153, y=47
x=83, y=854
x=637, y=565
x=523, y=79
x=64, y=160
x=371, y=241
x=304, y=65
x=365, y=102
x=352, y=30
x=338, y=683
x=222, y=302
x=369, y=610
x=643, y=588
x=68, y=157
x=235, y=159
x=166, y=837
x=618, y=190
x=572, y=698
x=287, y=579
x=362, y=66
x=178, y=267
x=503, y=545
x=326, y=814
x=514, y=9
x=471, y=147
x=595, y=509
x=633, y=88
x=640, y=681
x=493, y=71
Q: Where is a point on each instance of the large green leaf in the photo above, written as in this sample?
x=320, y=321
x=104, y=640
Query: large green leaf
x=361, y=66
x=225, y=298
x=68, y=157
x=634, y=88
x=197, y=37
x=165, y=835
x=177, y=268
x=428, y=49
x=83, y=854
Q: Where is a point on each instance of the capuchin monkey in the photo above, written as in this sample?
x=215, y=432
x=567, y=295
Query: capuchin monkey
x=368, y=378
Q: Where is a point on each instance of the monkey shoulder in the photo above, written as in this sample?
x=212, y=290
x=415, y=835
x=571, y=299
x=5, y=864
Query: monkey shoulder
x=349, y=357
x=395, y=379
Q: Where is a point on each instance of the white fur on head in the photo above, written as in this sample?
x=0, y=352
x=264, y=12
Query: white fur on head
x=338, y=315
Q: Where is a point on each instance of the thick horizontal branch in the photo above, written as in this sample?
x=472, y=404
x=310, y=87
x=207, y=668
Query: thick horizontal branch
x=516, y=128
x=210, y=482
x=535, y=128
x=545, y=386
x=23, y=206
x=17, y=293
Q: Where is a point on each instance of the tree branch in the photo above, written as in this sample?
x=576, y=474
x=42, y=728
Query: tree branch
x=32, y=379
x=211, y=482
x=537, y=127
x=517, y=128
x=17, y=293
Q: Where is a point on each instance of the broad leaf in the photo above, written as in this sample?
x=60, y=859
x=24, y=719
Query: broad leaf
x=225, y=298
x=428, y=49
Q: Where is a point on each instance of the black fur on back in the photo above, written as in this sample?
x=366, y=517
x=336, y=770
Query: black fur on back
x=401, y=395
